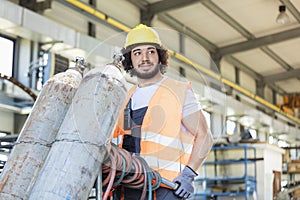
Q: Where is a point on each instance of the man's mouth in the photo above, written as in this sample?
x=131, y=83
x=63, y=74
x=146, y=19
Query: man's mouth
x=145, y=66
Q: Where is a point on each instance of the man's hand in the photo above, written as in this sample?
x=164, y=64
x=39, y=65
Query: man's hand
x=185, y=182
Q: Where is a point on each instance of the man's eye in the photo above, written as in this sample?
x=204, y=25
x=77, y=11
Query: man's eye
x=137, y=53
x=151, y=52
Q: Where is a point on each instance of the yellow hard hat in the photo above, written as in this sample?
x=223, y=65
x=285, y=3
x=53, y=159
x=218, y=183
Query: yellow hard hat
x=142, y=34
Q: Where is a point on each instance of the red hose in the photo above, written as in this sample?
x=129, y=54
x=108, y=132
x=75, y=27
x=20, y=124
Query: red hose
x=135, y=172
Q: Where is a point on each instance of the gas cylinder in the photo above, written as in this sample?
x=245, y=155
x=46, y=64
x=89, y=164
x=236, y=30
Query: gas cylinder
x=83, y=140
x=38, y=133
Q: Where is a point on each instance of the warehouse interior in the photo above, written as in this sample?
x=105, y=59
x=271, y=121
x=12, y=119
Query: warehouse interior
x=241, y=59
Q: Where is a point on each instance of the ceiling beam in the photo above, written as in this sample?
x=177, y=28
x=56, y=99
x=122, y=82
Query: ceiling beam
x=228, y=19
x=260, y=42
x=244, y=68
x=139, y=3
x=275, y=57
x=151, y=10
x=167, y=5
x=241, y=66
x=282, y=76
x=178, y=26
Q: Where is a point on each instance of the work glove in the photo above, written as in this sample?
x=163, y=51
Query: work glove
x=185, y=180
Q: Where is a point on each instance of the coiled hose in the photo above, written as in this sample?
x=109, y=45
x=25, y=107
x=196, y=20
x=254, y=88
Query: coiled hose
x=129, y=170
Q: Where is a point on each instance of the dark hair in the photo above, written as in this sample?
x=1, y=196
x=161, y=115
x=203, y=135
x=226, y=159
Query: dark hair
x=163, y=57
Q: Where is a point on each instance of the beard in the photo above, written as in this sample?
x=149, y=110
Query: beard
x=146, y=75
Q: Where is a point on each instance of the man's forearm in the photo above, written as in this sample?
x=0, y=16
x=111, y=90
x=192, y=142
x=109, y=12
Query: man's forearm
x=201, y=148
x=197, y=126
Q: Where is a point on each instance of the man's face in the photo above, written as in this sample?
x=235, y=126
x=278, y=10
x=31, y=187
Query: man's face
x=145, y=61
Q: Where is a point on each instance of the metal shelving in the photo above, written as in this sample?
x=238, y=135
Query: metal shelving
x=247, y=181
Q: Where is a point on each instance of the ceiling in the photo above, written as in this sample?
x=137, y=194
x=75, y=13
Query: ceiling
x=243, y=33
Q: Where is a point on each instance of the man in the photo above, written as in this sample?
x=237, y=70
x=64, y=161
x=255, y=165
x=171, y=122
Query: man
x=162, y=120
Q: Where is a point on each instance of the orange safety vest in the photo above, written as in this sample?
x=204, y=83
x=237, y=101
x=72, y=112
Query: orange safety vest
x=164, y=146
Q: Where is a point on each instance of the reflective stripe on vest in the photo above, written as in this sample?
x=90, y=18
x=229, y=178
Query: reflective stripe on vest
x=163, y=144
x=117, y=140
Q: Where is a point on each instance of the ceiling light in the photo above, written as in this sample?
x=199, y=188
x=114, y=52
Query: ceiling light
x=282, y=18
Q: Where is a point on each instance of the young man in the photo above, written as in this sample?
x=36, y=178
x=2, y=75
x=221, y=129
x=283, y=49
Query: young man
x=162, y=120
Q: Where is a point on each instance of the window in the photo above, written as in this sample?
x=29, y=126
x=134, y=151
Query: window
x=6, y=56
x=231, y=127
x=253, y=133
x=207, y=117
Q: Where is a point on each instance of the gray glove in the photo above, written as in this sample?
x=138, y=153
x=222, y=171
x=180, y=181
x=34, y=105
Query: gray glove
x=185, y=182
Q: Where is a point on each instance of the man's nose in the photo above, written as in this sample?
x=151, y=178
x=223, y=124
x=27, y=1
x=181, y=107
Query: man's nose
x=145, y=56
